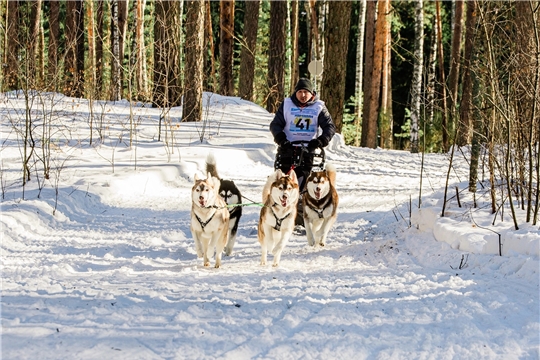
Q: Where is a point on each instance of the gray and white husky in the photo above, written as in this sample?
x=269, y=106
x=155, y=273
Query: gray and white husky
x=232, y=196
x=209, y=219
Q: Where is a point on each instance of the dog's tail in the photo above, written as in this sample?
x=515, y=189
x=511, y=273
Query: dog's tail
x=331, y=171
x=211, y=165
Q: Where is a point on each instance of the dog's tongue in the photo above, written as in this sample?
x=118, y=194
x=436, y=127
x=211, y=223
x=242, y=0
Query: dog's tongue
x=318, y=194
x=202, y=202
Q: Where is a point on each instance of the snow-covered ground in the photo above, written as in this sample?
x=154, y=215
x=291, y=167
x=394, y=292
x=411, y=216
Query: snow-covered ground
x=109, y=269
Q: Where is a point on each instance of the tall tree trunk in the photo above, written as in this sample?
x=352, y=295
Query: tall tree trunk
x=99, y=48
x=313, y=49
x=444, y=112
x=123, y=6
x=385, y=117
x=295, y=70
x=455, y=60
x=358, y=93
x=416, y=89
x=53, y=49
x=142, y=78
x=465, y=108
x=116, y=72
x=192, y=106
x=226, y=43
x=432, y=74
x=32, y=51
x=80, y=49
x=173, y=43
x=247, y=55
x=276, y=57
x=210, y=79
x=72, y=63
x=369, y=129
x=11, y=51
x=91, y=46
x=335, y=61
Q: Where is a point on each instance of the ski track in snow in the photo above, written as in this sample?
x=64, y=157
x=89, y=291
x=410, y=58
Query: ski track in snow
x=115, y=275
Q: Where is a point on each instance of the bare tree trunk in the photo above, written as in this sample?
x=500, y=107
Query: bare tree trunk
x=432, y=74
x=335, y=62
x=295, y=71
x=116, y=72
x=11, y=52
x=142, y=78
x=53, y=49
x=91, y=46
x=210, y=78
x=33, y=54
x=72, y=66
x=99, y=48
x=369, y=129
x=247, y=56
x=276, y=57
x=369, y=132
x=385, y=117
x=123, y=6
x=465, y=109
x=192, y=106
x=455, y=58
x=358, y=93
x=416, y=89
x=445, y=130
x=226, y=43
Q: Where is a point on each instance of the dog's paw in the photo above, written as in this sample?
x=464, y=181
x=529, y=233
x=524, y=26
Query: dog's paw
x=321, y=244
x=206, y=264
x=217, y=266
x=275, y=264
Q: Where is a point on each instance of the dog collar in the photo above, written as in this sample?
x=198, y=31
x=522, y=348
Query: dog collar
x=320, y=210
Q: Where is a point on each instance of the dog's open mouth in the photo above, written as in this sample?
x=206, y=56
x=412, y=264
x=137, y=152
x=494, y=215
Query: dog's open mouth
x=284, y=201
x=202, y=202
x=317, y=193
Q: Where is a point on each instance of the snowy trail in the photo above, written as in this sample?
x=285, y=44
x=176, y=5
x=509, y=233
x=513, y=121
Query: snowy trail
x=114, y=273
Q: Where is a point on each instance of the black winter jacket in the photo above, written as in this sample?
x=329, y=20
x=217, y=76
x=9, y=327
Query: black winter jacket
x=324, y=120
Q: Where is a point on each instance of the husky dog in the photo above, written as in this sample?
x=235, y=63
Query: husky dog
x=230, y=193
x=320, y=202
x=276, y=222
x=209, y=219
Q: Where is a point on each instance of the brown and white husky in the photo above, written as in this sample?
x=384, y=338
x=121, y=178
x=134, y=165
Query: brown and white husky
x=320, y=202
x=209, y=219
x=276, y=222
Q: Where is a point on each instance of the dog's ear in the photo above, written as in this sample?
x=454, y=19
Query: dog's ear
x=279, y=174
x=196, y=177
x=293, y=177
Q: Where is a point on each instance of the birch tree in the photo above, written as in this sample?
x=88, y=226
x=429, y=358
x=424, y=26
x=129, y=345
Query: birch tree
x=358, y=93
x=416, y=87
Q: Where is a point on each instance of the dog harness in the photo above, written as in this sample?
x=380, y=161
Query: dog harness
x=319, y=211
x=204, y=223
x=278, y=220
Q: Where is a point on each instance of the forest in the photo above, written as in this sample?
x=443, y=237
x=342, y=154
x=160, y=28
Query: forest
x=420, y=76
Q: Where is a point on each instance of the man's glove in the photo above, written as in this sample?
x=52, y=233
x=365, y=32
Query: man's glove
x=314, y=144
x=281, y=140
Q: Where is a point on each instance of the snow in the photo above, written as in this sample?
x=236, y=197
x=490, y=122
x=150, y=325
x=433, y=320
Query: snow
x=109, y=270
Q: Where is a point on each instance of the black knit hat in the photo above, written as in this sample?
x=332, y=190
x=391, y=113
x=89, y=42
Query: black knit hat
x=304, y=84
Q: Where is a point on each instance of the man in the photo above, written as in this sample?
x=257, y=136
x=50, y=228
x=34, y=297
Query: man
x=301, y=117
